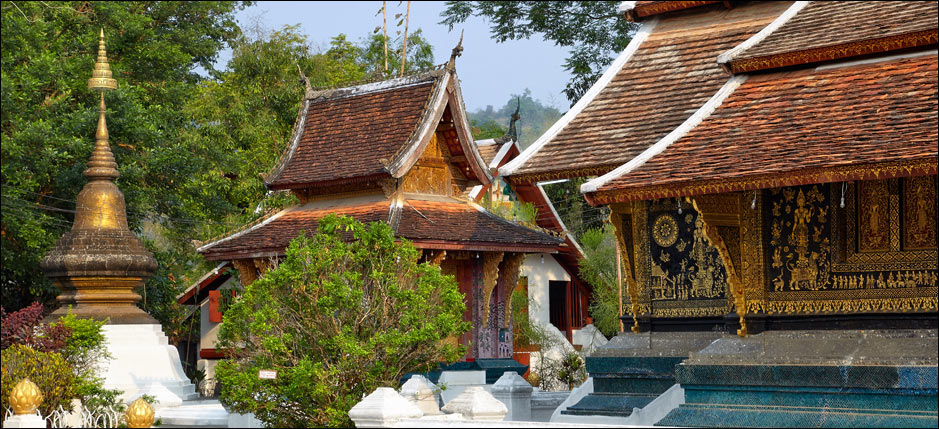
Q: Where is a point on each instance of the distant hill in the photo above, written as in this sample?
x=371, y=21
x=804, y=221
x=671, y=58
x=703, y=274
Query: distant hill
x=536, y=118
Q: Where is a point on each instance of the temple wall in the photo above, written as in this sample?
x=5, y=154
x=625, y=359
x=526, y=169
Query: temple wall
x=795, y=249
x=539, y=274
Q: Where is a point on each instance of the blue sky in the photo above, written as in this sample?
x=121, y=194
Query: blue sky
x=489, y=71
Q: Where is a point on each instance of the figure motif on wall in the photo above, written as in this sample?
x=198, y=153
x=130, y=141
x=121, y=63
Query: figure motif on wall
x=685, y=266
x=800, y=258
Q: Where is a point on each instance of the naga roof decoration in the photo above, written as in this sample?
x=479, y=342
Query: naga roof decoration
x=373, y=131
x=666, y=73
x=428, y=222
x=813, y=32
x=852, y=121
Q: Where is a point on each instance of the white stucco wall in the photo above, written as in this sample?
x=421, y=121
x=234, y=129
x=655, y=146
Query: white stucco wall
x=539, y=274
x=209, y=330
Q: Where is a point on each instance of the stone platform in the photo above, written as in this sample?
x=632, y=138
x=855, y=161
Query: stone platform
x=812, y=378
x=633, y=369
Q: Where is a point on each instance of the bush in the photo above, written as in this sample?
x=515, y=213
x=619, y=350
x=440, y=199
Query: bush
x=48, y=370
x=79, y=342
x=336, y=320
x=598, y=267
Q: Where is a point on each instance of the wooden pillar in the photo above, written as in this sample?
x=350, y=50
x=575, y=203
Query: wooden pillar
x=632, y=288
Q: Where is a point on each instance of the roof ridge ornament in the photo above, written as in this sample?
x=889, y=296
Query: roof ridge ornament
x=456, y=52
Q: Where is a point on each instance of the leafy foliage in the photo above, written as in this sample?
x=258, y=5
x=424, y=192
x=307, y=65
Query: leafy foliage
x=79, y=342
x=593, y=30
x=336, y=319
x=48, y=115
x=25, y=327
x=598, y=267
x=51, y=373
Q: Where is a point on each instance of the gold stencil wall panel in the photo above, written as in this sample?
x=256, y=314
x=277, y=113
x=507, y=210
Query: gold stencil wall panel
x=874, y=216
x=919, y=213
x=812, y=256
x=751, y=252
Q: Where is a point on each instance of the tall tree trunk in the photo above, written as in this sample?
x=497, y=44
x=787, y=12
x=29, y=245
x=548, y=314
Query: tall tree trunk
x=384, y=24
x=404, y=50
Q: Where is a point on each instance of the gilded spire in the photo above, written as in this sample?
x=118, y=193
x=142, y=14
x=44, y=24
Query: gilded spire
x=102, y=164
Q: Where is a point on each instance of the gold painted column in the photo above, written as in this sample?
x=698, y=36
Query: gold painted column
x=632, y=288
x=100, y=262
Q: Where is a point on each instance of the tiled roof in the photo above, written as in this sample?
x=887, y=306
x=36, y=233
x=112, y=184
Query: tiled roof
x=672, y=73
x=824, y=30
x=273, y=236
x=459, y=222
x=810, y=126
x=488, y=151
x=348, y=133
x=443, y=223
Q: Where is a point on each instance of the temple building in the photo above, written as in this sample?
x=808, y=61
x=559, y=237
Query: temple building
x=557, y=293
x=772, y=173
x=398, y=151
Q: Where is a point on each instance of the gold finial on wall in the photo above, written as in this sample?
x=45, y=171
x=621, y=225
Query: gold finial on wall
x=25, y=397
x=139, y=414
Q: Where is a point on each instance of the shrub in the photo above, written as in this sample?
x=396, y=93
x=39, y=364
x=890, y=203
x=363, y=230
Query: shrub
x=48, y=370
x=25, y=327
x=598, y=267
x=336, y=320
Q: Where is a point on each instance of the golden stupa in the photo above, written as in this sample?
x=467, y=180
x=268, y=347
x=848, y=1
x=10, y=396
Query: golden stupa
x=100, y=262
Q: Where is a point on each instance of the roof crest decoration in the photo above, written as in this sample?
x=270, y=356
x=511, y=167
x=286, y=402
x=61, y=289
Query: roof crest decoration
x=637, y=40
x=703, y=112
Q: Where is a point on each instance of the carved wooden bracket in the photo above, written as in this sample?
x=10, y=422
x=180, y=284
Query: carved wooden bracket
x=246, y=270
x=736, y=285
x=491, y=262
x=437, y=257
x=509, y=275
x=632, y=288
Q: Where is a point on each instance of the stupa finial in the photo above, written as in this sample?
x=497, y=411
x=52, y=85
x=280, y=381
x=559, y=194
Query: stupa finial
x=102, y=164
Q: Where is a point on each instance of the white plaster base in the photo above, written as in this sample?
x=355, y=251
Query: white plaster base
x=195, y=414
x=142, y=360
x=24, y=421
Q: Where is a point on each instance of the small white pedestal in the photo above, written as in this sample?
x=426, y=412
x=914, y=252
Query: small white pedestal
x=142, y=361
x=24, y=421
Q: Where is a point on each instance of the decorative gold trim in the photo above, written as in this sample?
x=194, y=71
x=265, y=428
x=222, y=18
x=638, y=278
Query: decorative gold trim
x=509, y=272
x=656, y=8
x=529, y=178
x=920, y=167
x=736, y=286
x=632, y=289
x=491, y=262
x=834, y=52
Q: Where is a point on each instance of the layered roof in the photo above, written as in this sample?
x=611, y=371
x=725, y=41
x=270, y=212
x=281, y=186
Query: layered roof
x=792, y=128
x=373, y=131
x=825, y=31
x=427, y=221
x=636, y=10
x=862, y=119
x=665, y=74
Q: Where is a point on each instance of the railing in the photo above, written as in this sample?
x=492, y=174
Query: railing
x=26, y=397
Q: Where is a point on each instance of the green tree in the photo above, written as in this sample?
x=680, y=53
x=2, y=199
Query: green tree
x=420, y=55
x=48, y=115
x=487, y=129
x=593, y=30
x=598, y=267
x=336, y=319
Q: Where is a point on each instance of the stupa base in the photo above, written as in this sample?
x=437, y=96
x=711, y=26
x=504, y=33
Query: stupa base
x=143, y=362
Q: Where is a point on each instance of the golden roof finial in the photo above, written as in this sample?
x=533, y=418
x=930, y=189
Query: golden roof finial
x=25, y=397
